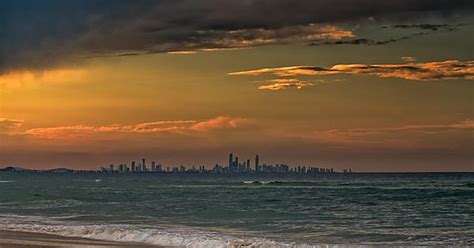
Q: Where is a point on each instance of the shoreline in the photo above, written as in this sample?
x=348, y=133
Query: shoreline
x=20, y=239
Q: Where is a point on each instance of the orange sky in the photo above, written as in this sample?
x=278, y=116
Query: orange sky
x=303, y=94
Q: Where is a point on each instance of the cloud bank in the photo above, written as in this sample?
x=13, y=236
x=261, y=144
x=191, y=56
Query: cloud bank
x=58, y=32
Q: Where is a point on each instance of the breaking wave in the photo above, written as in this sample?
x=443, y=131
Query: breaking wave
x=162, y=236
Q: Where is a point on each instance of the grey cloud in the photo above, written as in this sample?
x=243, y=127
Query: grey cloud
x=427, y=30
x=432, y=27
x=368, y=42
x=42, y=34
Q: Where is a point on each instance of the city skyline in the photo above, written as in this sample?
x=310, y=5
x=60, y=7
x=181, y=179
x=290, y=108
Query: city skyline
x=368, y=85
x=233, y=167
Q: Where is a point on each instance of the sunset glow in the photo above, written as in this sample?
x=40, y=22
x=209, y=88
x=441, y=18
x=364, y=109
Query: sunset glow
x=341, y=86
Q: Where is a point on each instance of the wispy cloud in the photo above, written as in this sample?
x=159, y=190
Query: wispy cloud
x=181, y=52
x=408, y=59
x=8, y=125
x=285, y=84
x=413, y=31
x=466, y=124
x=392, y=135
x=450, y=69
x=369, y=42
x=220, y=122
x=425, y=26
x=176, y=127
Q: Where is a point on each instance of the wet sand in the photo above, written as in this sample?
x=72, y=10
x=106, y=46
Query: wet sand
x=14, y=239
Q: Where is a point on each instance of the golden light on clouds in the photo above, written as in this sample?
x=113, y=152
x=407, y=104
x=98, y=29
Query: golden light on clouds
x=89, y=132
x=449, y=69
x=284, y=84
x=239, y=77
x=181, y=52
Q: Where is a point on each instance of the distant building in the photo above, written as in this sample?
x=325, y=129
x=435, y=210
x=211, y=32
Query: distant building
x=231, y=161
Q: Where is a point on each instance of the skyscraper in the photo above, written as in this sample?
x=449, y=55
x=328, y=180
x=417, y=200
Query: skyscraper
x=143, y=165
x=236, y=164
x=231, y=161
x=257, y=163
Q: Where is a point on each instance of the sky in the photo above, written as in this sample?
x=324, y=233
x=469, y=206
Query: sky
x=364, y=84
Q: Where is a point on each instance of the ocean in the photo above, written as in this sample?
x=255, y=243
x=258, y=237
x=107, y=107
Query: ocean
x=337, y=210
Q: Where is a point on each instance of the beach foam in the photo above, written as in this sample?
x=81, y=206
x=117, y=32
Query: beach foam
x=162, y=236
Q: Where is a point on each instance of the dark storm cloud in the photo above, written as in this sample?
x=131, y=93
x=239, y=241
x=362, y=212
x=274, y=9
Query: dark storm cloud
x=432, y=27
x=426, y=28
x=369, y=42
x=41, y=34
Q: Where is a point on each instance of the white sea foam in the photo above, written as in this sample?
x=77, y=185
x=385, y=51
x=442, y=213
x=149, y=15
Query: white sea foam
x=261, y=182
x=175, y=237
x=6, y=181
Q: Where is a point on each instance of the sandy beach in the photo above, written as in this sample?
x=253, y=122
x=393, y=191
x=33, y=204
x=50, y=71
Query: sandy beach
x=14, y=239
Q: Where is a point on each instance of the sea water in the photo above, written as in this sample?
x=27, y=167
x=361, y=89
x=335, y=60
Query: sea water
x=198, y=210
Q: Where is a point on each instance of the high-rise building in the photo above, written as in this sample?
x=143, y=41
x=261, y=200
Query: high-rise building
x=248, y=169
x=236, y=164
x=231, y=161
x=257, y=163
x=143, y=165
x=133, y=166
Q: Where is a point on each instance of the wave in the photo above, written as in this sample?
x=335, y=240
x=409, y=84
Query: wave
x=153, y=235
x=178, y=238
x=266, y=182
x=362, y=186
x=6, y=181
x=469, y=185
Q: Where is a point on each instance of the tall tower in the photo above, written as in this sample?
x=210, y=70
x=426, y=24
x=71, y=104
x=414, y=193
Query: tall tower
x=236, y=164
x=231, y=161
x=257, y=163
x=247, y=168
x=143, y=165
